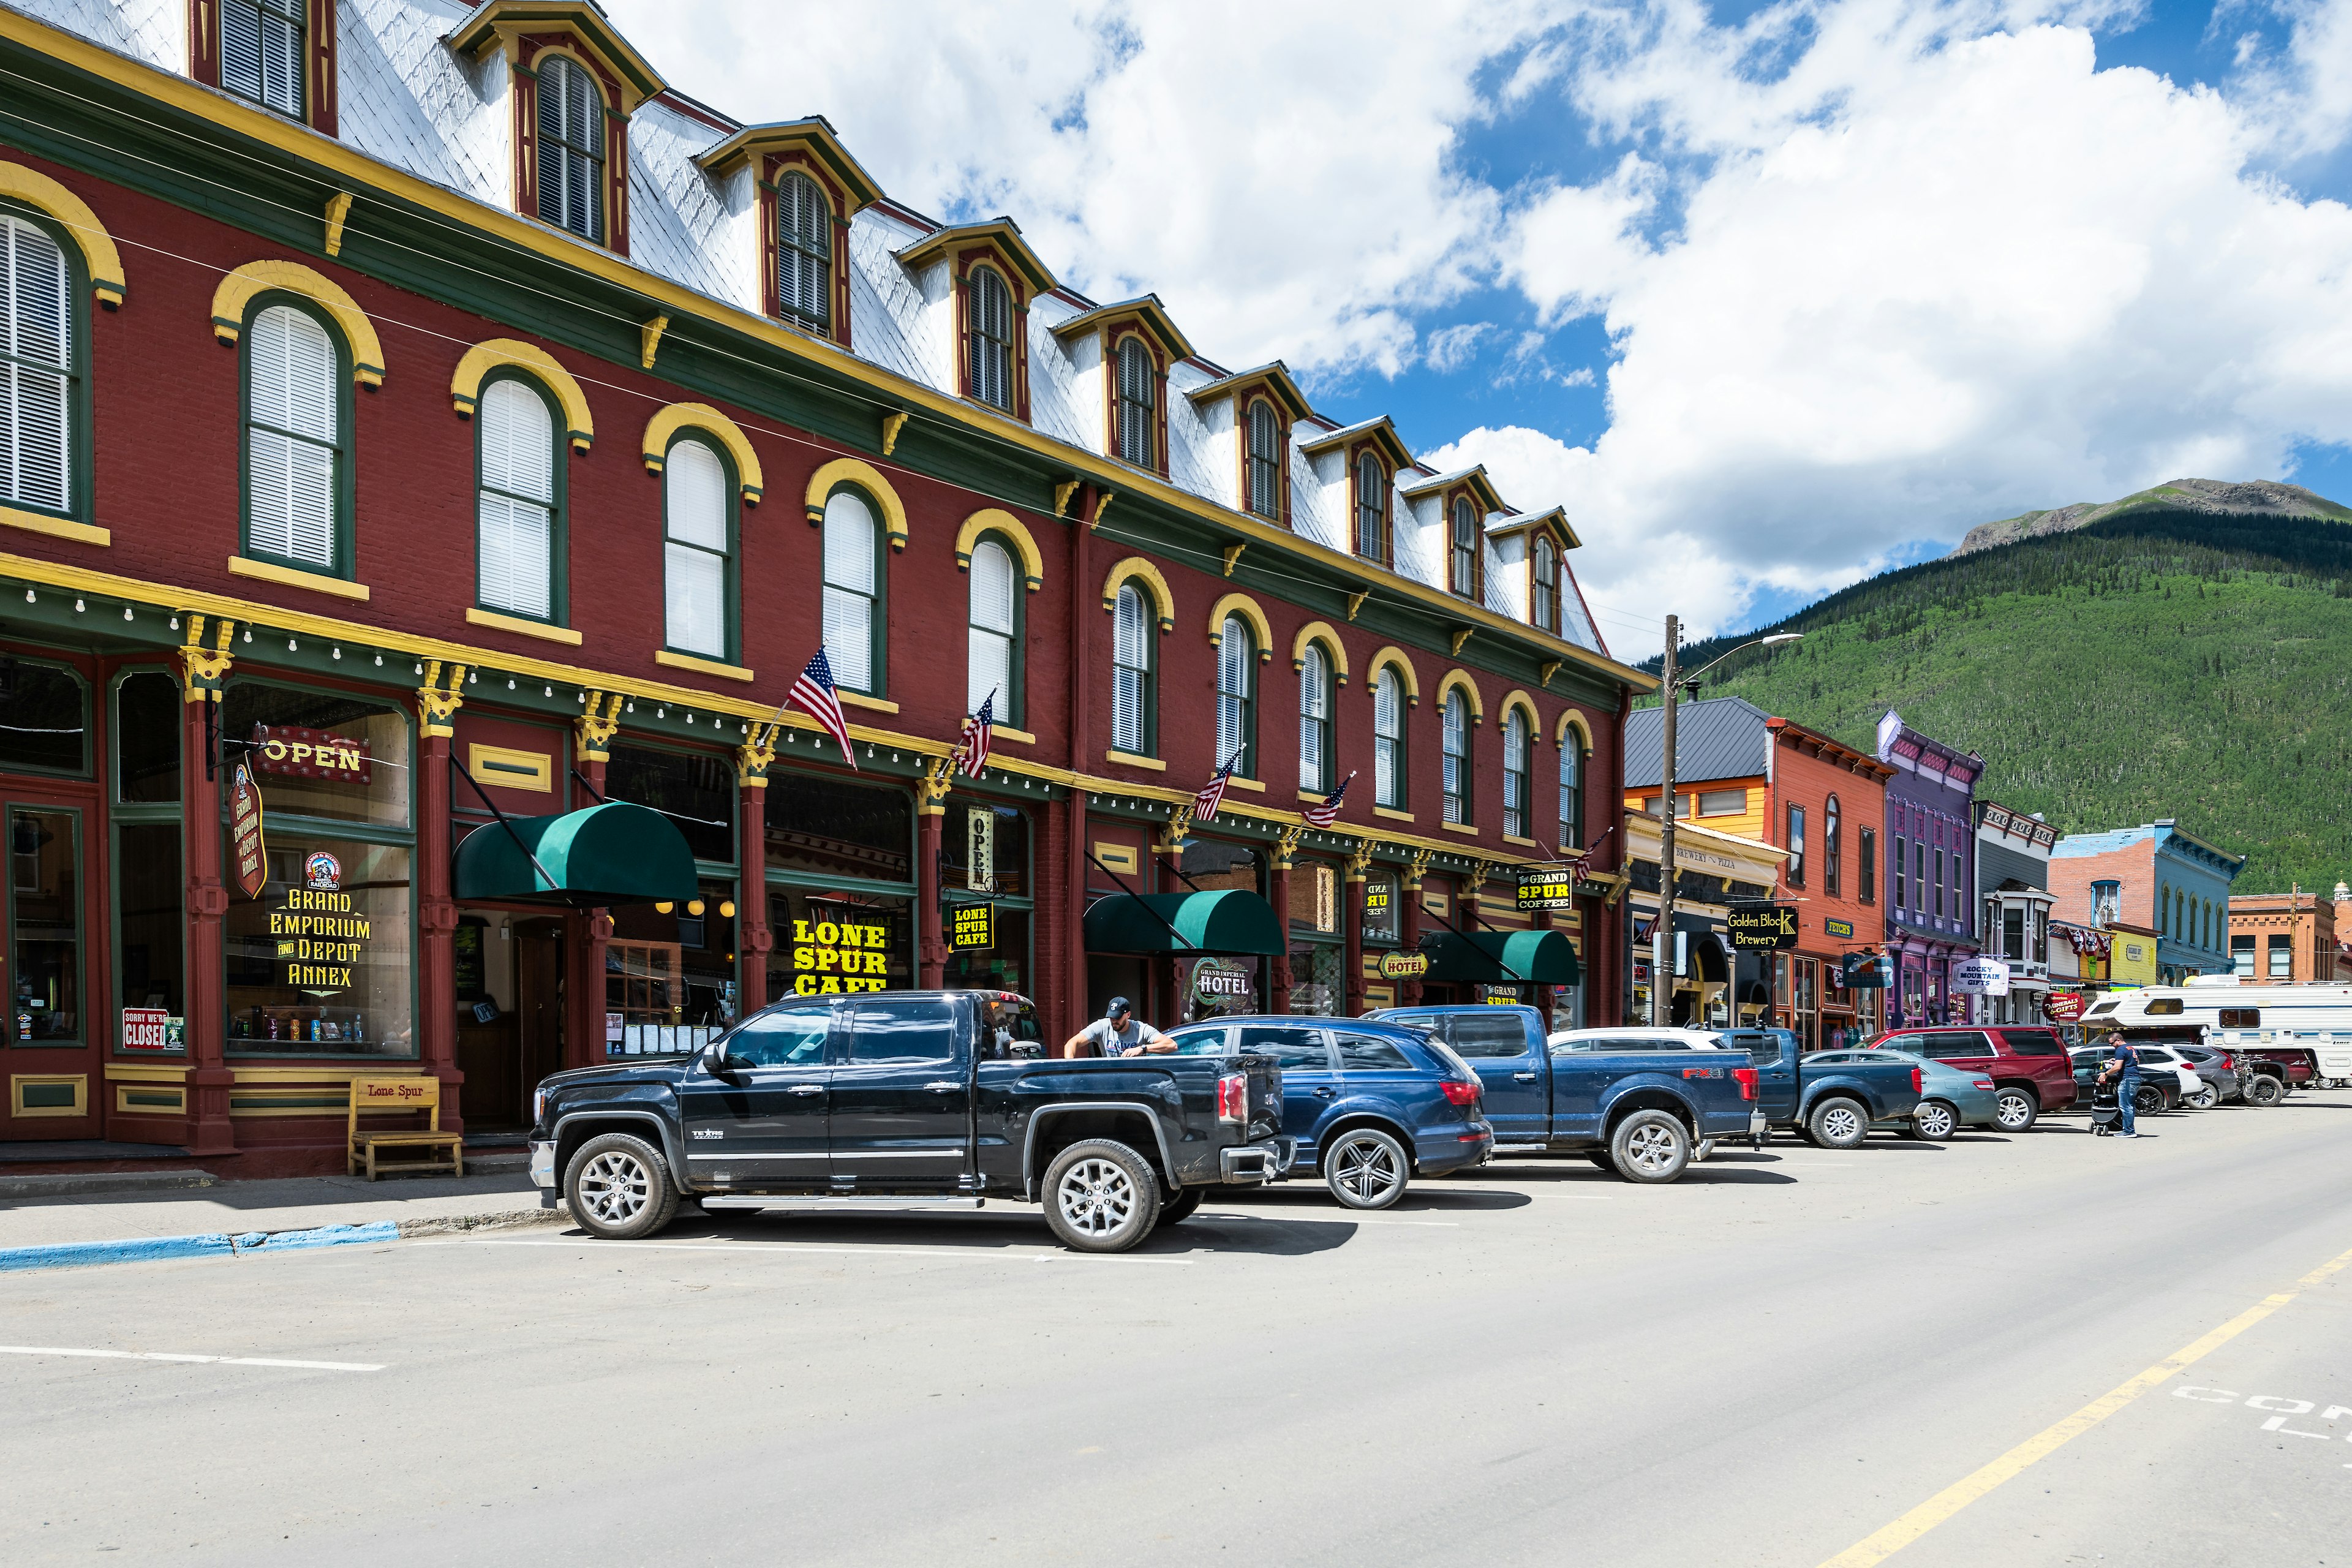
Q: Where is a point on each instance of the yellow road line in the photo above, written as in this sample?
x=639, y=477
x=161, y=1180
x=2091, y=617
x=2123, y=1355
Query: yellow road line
x=1884, y=1544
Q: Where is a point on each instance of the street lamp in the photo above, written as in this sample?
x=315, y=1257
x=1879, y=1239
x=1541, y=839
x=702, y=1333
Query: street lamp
x=1662, y=935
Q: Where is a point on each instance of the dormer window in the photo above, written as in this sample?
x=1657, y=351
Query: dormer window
x=1264, y=496
x=992, y=339
x=1371, y=508
x=1461, y=552
x=261, y=52
x=1543, y=591
x=1139, y=417
x=570, y=150
x=803, y=251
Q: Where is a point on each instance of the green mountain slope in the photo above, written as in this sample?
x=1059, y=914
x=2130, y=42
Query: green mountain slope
x=2157, y=663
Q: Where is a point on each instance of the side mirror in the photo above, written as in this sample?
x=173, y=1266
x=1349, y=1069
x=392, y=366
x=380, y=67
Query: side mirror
x=726, y=1064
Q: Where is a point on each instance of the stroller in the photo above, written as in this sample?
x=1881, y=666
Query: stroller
x=2106, y=1107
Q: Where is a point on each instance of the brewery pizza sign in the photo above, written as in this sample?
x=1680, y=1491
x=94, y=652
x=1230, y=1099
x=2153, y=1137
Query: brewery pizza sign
x=1775, y=925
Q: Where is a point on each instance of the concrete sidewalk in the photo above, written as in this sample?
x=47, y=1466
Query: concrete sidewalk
x=416, y=1204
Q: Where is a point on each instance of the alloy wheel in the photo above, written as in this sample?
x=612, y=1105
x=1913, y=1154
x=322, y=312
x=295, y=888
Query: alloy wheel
x=1839, y=1123
x=2015, y=1114
x=1650, y=1148
x=1097, y=1196
x=617, y=1186
x=1365, y=1167
x=1935, y=1121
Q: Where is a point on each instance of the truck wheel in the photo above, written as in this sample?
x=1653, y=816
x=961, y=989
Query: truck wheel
x=2015, y=1110
x=1179, y=1209
x=1934, y=1121
x=2264, y=1091
x=619, y=1187
x=1650, y=1147
x=1366, y=1169
x=1838, y=1122
x=1101, y=1196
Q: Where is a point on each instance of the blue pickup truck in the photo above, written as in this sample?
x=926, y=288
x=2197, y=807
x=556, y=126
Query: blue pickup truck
x=1832, y=1103
x=1637, y=1113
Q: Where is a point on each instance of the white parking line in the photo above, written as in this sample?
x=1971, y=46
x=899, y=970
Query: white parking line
x=949, y=1254
x=1322, y=1213
x=213, y=1360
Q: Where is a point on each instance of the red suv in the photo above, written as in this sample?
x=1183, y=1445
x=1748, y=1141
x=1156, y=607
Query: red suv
x=2026, y=1065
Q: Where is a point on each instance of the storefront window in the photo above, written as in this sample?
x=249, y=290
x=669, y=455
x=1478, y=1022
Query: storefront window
x=1381, y=918
x=1003, y=967
x=148, y=913
x=45, y=924
x=147, y=718
x=319, y=753
x=1315, y=897
x=44, y=719
x=829, y=942
x=669, y=974
x=1317, y=983
x=832, y=827
x=984, y=848
x=322, y=961
x=696, y=791
x=1214, y=987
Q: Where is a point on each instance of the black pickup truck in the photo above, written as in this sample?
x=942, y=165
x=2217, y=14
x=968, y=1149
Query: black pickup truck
x=916, y=1098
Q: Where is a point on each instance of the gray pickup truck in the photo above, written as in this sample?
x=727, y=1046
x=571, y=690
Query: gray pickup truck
x=1639, y=1112
x=938, y=1098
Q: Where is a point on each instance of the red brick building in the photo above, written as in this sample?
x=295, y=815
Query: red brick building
x=457, y=444
x=1827, y=807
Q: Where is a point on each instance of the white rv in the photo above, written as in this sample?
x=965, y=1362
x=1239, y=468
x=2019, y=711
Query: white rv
x=2273, y=1021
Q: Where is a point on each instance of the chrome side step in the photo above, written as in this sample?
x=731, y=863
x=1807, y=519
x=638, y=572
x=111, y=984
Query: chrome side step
x=808, y=1204
x=1522, y=1148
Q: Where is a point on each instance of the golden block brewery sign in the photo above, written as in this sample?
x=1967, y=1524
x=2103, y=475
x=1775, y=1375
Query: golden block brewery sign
x=830, y=957
x=971, y=928
x=1773, y=927
x=1548, y=888
x=1403, y=965
x=311, y=754
x=245, y=832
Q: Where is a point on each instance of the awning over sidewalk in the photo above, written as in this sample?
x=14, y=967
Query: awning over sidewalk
x=616, y=853
x=1229, y=923
x=1502, y=957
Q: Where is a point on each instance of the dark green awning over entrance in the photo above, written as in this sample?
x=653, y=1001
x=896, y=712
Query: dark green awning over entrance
x=1230, y=923
x=1502, y=957
x=616, y=853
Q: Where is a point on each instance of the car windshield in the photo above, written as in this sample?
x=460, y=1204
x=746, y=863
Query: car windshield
x=1883, y=1054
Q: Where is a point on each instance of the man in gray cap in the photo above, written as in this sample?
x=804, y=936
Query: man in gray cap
x=1118, y=1033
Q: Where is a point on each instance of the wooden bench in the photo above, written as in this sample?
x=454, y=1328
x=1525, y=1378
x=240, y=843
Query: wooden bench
x=401, y=1096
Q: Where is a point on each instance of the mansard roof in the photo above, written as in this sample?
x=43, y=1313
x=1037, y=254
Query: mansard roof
x=1489, y=499
x=1379, y=429
x=1001, y=232
x=1273, y=376
x=814, y=135
x=1146, y=308
x=506, y=22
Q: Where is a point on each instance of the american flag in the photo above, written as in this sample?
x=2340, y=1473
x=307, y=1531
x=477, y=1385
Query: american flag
x=1324, y=814
x=1213, y=793
x=1581, y=866
x=814, y=692
x=971, y=750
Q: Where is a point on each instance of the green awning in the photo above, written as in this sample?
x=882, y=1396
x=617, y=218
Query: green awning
x=616, y=853
x=1502, y=957
x=1227, y=923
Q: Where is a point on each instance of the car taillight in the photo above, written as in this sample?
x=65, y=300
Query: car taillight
x=1232, y=1098
x=1919, y=1080
x=1984, y=1083
x=1747, y=1077
x=1458, y=1093
x=2228, y=1060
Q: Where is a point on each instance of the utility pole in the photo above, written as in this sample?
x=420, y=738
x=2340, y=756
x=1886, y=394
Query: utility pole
x=1662, y=934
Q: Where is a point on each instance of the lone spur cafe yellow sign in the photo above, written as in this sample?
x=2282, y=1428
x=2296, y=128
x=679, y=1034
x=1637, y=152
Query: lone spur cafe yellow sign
x=830, y=957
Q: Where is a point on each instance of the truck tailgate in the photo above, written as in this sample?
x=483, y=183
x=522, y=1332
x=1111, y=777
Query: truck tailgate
x=1265, y=1095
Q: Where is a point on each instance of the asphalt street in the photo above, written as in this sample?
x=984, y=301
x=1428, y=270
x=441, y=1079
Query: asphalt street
x=1792, y=1357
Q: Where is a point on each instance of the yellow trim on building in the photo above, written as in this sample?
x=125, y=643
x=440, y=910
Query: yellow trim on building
x=859, y=699
x=19, y=1082
x=865, y=477
x=1334, y=649
x=996, y=520
x=295, y=577
x=1404, y=662
x=671, y=418
x=701, y=666
x=1244, y=606
x=54, y=527
x=1461, y=677
x=520, y=627
x=1520, y=700
x=507, y=768
x=1130, y=759
x=99, y=255
x=237, y=291
x=494, y=353
x=1135, y=568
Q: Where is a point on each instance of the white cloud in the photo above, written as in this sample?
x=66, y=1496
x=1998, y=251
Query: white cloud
x=1450, y=348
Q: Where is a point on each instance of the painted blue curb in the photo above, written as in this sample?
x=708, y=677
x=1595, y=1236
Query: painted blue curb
x=149, y=1249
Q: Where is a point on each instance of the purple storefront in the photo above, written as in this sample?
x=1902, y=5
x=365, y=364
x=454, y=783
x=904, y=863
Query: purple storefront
x=1929, y=924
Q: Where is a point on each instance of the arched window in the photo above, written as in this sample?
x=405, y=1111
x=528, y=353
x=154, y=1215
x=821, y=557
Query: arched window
x=1516, y=767
x=1464, y=551
x=1237, y=698
x=1265, y=460
x=1543, y=588
x=295, y=458
x=992, y=339
x=1315, y=720
x=515, y=516
x=1571, y=790
x=697, y=557
x=37, y=392
x=803, y=250
x=1388, y=740
x=853, y=592
x=570, y=149
x=1138, y=404
x=1455, y=736
x=261, y=52
x=995, y=635
x=1130, y=658
x=1832, y=849
x=1371, y=509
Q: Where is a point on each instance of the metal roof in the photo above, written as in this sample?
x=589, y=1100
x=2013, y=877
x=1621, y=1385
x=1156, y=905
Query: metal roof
x=1717, y=738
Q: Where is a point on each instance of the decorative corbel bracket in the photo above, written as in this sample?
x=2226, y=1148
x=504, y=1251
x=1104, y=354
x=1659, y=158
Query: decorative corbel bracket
x=1417, y=869
x=932, y=789
x=1232, y=554
x=894, y=421
x=1461, y=636
x=436, y=704
x=1286, y=845
x=1359, y=861
x=339, y=208
x=1545, y=671
x=202, y=669
x=649, y=337
x=592, y=733
x=1356, y=601
x=1179, y=827
x=752, y=757
x=1062, y=492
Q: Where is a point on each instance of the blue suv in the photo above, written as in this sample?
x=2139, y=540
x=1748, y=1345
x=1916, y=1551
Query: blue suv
x=1371, y=1104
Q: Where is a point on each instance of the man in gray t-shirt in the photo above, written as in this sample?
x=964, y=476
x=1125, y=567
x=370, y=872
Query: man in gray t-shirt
x=1118, y=1033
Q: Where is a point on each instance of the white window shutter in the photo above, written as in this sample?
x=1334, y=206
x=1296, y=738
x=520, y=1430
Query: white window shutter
x=696, y=482
x=35, y=294
x=694, y=559
x=989, y=666
x=851, y=544
x=1129, y=654
x=294, y=407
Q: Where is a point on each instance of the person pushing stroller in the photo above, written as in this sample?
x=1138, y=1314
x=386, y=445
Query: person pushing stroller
x=2119, y=1078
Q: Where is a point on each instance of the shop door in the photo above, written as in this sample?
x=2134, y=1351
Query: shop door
x=56, y=1037
x=763, y=1126
x=538, y=1005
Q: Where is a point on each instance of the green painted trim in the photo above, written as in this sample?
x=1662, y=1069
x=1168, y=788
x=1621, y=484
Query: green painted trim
x=81, y=958
x=87, y=721
x=345, y=565
x=79, y=456
x=558, y=543
x=400, y=834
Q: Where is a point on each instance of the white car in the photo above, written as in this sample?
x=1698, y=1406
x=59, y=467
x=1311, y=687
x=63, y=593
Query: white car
x=1635, y=1037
